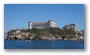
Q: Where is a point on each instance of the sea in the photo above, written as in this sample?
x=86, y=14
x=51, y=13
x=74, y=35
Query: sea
x=43, y=44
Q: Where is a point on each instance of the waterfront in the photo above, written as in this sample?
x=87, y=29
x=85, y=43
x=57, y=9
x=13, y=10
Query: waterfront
x=43, y=44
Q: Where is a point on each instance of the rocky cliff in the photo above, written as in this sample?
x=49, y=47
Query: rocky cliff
x=38, y=34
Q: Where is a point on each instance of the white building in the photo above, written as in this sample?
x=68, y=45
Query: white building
x=71, y=26
x=41, y=25
x=82, y=33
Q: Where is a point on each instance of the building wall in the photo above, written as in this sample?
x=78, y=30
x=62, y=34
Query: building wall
x=82, y=33
x=41, y=25
x=72, y=26
x=30, y=25
x=38, y=26
x=52, y=24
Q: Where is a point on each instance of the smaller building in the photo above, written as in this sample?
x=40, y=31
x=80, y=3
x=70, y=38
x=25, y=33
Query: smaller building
x=82, y=33
x=71, y=26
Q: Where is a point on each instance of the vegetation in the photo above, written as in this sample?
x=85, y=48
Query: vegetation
x=49, y=32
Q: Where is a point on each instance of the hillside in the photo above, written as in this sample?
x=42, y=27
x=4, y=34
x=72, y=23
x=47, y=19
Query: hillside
x=40, y=34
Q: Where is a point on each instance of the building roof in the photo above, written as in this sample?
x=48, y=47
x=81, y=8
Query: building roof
x=40, y=23
x=51, y=20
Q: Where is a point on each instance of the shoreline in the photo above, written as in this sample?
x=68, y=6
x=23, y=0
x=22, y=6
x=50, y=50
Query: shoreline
x=48, y=40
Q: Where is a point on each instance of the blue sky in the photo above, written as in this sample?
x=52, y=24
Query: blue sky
x=18, y=15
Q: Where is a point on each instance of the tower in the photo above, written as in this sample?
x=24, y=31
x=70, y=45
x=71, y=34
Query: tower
x=52, y=23
x=30, y=25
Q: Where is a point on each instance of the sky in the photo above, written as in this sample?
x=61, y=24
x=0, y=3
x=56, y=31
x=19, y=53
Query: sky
x=18, y=15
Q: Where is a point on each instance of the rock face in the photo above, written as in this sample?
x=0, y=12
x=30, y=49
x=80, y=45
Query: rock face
x=41, y=34
x=14, y=35
x=23, y=35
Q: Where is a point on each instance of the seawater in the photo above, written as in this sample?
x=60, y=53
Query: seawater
x=43, y=44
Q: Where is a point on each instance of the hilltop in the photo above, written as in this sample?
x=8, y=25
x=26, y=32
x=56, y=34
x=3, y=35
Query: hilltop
x=41, y=34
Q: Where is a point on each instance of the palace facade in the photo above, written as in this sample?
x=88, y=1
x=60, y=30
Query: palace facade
x=41, y=25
